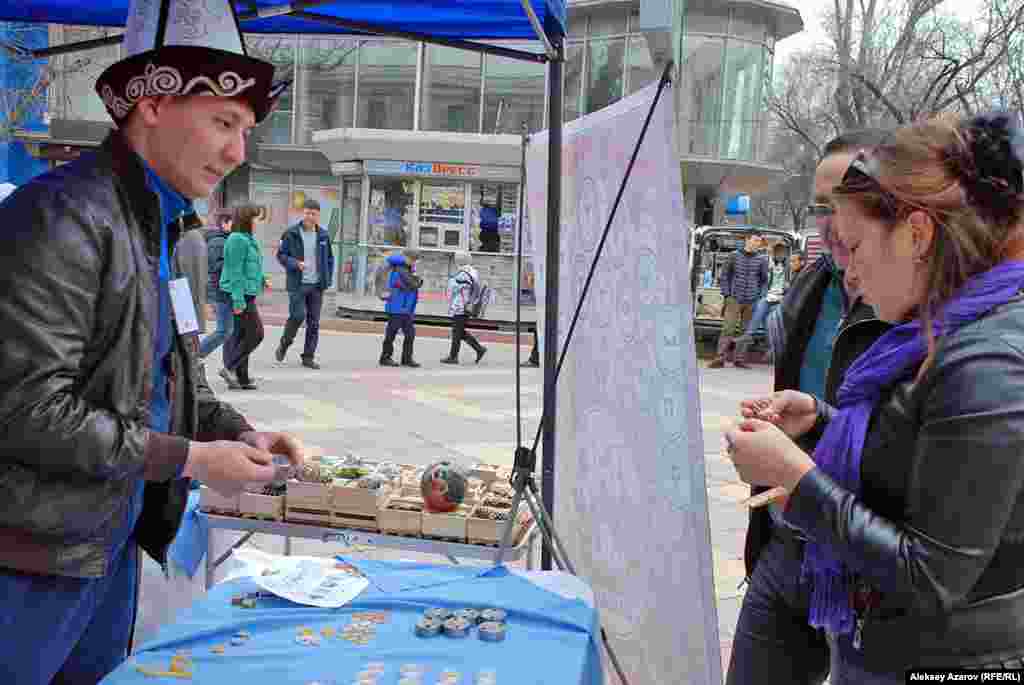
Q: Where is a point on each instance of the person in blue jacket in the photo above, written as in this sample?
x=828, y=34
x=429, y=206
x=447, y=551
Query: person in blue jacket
x=306, y=255
x=401, y=307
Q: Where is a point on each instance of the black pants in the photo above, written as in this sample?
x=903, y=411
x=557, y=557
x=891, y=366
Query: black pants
x=535, y=352
x=773, y=642
x=304, y=305
x=247, y=336
x=459, y=333
x=399, y=322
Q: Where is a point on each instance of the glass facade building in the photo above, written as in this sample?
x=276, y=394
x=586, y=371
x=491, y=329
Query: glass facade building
x=446, y=199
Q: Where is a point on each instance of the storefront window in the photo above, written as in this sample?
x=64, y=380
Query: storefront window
x=741, y=104
x=605, y=64
x=495, y=216
x=71, y=95
x=515, y=89
x=392, y=203
x=442, y=214
x=451, y=90
x=640, y=67
x=276, y=129
x=573, y=81
x=326, y=85
x=387, y=84
x=351, y=257
x=276, y=201
x=700, y=101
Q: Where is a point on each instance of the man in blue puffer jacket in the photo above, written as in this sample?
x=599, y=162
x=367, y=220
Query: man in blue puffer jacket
x=401, y=307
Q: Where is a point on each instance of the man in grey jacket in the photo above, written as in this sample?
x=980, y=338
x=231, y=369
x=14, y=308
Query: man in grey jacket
x=190, y=262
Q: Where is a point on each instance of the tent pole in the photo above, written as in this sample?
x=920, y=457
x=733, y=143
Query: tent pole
x=551, y=282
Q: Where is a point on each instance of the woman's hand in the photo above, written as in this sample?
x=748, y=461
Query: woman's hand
x=795, y=413
x=764, y=455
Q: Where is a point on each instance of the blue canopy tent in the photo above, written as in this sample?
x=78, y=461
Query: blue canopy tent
x=466, y=24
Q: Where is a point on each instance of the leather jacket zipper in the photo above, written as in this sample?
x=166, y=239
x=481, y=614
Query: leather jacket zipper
x=858, y=630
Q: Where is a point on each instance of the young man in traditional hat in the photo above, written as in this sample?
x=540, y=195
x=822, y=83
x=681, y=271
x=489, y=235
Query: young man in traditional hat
x=104, y=414
x=305, y=253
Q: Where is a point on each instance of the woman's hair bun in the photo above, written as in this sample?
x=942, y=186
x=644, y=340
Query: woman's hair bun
x=991, y=167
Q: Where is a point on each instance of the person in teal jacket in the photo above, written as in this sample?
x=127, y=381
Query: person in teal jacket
x=242, y=280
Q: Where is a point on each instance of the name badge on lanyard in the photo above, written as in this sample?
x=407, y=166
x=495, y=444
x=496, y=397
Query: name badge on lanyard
x=184, y=308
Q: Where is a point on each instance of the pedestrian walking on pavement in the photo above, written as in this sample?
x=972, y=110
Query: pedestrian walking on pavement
x=102, y=420
x=533, y=361
x=404, y=286
x=464, y=290
x=778, y=280
x=216, y=237
x=189, y=261
x=744, y=281
x=305, y=253
x=243, y=280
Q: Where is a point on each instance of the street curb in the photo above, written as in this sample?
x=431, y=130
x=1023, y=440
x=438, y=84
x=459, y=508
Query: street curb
x=377, y=328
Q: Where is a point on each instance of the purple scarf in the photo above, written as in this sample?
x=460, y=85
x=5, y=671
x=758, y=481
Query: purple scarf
x=895, y=356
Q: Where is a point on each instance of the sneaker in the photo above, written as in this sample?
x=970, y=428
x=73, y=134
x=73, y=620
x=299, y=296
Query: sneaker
x=530, y=364
x=251, y=385
x=480, y=354
x=717, y=363
x=411, y=364
x=280, y=352
x=230, y=378
x=310, y=364
x=449, y=360
x=388, y=361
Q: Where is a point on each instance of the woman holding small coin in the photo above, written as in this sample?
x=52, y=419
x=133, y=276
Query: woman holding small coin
x=913, y=500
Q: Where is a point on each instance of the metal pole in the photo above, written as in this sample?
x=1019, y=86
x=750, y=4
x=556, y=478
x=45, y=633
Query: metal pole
x=551, y=282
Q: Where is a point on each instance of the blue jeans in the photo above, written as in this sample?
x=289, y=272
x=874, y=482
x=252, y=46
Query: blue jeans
x=773, y=642
x=59, y=630
x=761, y=311
x=225, y=324
x=304, y=305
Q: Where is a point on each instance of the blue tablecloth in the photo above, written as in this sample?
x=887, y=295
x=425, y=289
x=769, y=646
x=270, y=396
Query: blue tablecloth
x=551, y=639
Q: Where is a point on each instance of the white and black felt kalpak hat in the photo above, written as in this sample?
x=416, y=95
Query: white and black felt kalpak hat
x=186, y=47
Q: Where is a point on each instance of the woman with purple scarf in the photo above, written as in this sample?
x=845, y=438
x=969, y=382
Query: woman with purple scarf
x=913, y=501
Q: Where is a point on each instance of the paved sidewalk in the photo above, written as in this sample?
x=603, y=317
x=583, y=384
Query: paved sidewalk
x=466, y=412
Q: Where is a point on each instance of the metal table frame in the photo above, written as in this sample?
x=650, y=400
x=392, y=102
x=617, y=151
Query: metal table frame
x=350, y=537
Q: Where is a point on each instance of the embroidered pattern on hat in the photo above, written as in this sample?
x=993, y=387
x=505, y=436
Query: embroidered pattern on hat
x=165, y=80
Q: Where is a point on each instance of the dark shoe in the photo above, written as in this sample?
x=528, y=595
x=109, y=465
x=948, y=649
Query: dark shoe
x=717, y=363
x=251, y=385
x=411, y=364
x=480, y=354
x=449, y=360
x=388, y=361
x=230, y=378
x=280, y=352
x=740, y=364
x=310, y=364
x=530, y=364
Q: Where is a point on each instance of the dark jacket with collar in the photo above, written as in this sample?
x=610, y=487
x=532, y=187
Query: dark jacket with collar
x=292, y=251
x=78, y=308
x=798, y=315
x=938, y=527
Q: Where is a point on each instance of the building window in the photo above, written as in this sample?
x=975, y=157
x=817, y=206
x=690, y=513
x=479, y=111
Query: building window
x=392, y=211
x=276, y=129
x=450, y=95
x=351, y=256
x=326, y=85
x=513, y=94
x=701, y=94
x=494, y=217
x=442, y=215
x=639, y=69
x=386, y=86
x=573, y=81
x=741, y=100
x=605, y=60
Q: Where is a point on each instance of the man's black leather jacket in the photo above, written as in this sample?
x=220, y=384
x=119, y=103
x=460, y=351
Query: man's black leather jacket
x=938, y=527
x=799, y=311
x=78, y=317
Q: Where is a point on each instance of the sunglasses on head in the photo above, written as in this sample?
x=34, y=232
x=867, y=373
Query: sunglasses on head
x=865, y=168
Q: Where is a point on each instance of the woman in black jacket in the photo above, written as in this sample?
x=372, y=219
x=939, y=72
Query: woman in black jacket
x=912, y=500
